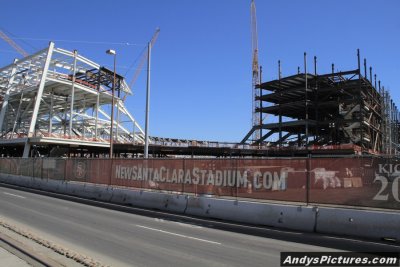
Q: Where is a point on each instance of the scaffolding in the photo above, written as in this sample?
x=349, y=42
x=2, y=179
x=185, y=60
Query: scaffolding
x=312, y=110
x=58, y=98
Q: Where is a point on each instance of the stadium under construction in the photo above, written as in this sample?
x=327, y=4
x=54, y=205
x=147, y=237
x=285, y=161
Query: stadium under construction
x=58, y=103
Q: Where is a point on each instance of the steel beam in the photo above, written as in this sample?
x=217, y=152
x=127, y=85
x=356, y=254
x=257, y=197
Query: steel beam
x=72, y=94
x=40, y=90
x=51, y=112
x=7, y=95
x=32, y=124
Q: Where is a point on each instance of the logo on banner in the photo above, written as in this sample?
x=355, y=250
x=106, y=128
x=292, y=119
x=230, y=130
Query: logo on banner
x=270, y=180
x=80, y=170
x=327, y=178
x=388, y=174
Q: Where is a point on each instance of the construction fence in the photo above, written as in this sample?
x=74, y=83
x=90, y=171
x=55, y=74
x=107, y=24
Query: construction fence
x=368, y=182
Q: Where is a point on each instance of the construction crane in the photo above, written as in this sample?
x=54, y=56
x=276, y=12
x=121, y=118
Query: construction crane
x=256, y=118
x=143, y=59
x=13, y=44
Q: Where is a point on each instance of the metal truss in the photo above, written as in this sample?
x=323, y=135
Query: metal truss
x=57, y=96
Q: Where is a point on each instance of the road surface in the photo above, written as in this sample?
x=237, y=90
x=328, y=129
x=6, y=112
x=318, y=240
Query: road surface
x=131, y=239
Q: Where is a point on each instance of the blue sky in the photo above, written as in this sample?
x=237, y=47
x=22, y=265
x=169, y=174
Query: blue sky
x=201, y=63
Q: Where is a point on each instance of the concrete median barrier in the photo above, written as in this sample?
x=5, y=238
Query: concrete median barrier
x=160, y=201
x=276, y=215
x=17, y=180
x=360, y=223
x=124, y=196
x=96, y=192
x=74, y=189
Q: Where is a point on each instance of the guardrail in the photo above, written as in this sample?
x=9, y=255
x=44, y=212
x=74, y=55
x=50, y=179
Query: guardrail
x=368, y=182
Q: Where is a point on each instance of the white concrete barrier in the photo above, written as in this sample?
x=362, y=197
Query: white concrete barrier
x=74, y=189
x=360, y=223
x=124, y=196
x=161, y=201
x=96, y=191
x=285, y=216
x=140, y=198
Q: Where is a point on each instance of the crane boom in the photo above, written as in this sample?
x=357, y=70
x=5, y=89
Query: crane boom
x=13, y=44
x=256, y=118
x=143, y=58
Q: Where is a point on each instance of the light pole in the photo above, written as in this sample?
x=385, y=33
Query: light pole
x=146, y=134
x=112, y=52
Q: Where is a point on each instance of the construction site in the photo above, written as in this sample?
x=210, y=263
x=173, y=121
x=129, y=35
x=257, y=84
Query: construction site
x=346, y=111
x=57, y=103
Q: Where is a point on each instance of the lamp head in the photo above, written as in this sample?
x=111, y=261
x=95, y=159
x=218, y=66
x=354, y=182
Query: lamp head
x=111, y=52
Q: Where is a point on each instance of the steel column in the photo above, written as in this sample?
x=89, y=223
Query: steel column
x=40, y=90
x=146, y=138
x=51, y=112
x=7, y=95
x=72, y=94
x=306, y=96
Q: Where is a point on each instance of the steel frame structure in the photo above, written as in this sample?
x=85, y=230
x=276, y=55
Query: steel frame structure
x=57, y=97
x=329, y=110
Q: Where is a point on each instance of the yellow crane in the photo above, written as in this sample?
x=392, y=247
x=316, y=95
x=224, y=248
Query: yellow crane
x=256, y=117
x=13, y=44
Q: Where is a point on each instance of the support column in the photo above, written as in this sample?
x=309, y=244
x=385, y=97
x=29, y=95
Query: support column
x=306, y=96
x=146, y=135
x=72, y=95
x=7, y=95
x=316, y=102
x=97, y=115
x=40, y=91
x=17, y=116
x=84, y=119
x=361, y=119
x=51, y=112
x=261, y=107
x=117, y=124
x=280, y=104
x=133, y=132
x=97, y=109
x=39, y=95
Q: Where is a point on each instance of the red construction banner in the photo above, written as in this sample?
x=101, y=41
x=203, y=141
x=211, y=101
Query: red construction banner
x=368, y=182
x=262, y=179
x=273, y=179
x=54, y=168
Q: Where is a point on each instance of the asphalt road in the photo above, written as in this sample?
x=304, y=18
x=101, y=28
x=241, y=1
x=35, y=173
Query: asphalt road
x=127, y=239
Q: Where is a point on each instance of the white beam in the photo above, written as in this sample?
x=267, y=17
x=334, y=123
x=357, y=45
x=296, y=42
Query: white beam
x=51, y=112
x=23, y=60
x=108, y=117
x=72, y=94
x=27, y=149
x=97, y=115
x=125, y=111
x=40, y=90
x=7, y=96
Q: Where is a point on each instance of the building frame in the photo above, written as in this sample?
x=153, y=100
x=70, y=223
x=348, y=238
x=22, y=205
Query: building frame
x=55, y=99
x=332, y=110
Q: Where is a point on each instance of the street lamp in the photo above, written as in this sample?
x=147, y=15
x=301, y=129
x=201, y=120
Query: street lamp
x=112, y=52
x=146, y=131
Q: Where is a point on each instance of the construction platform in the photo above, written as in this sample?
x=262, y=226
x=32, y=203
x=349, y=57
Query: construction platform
x=168, y=148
